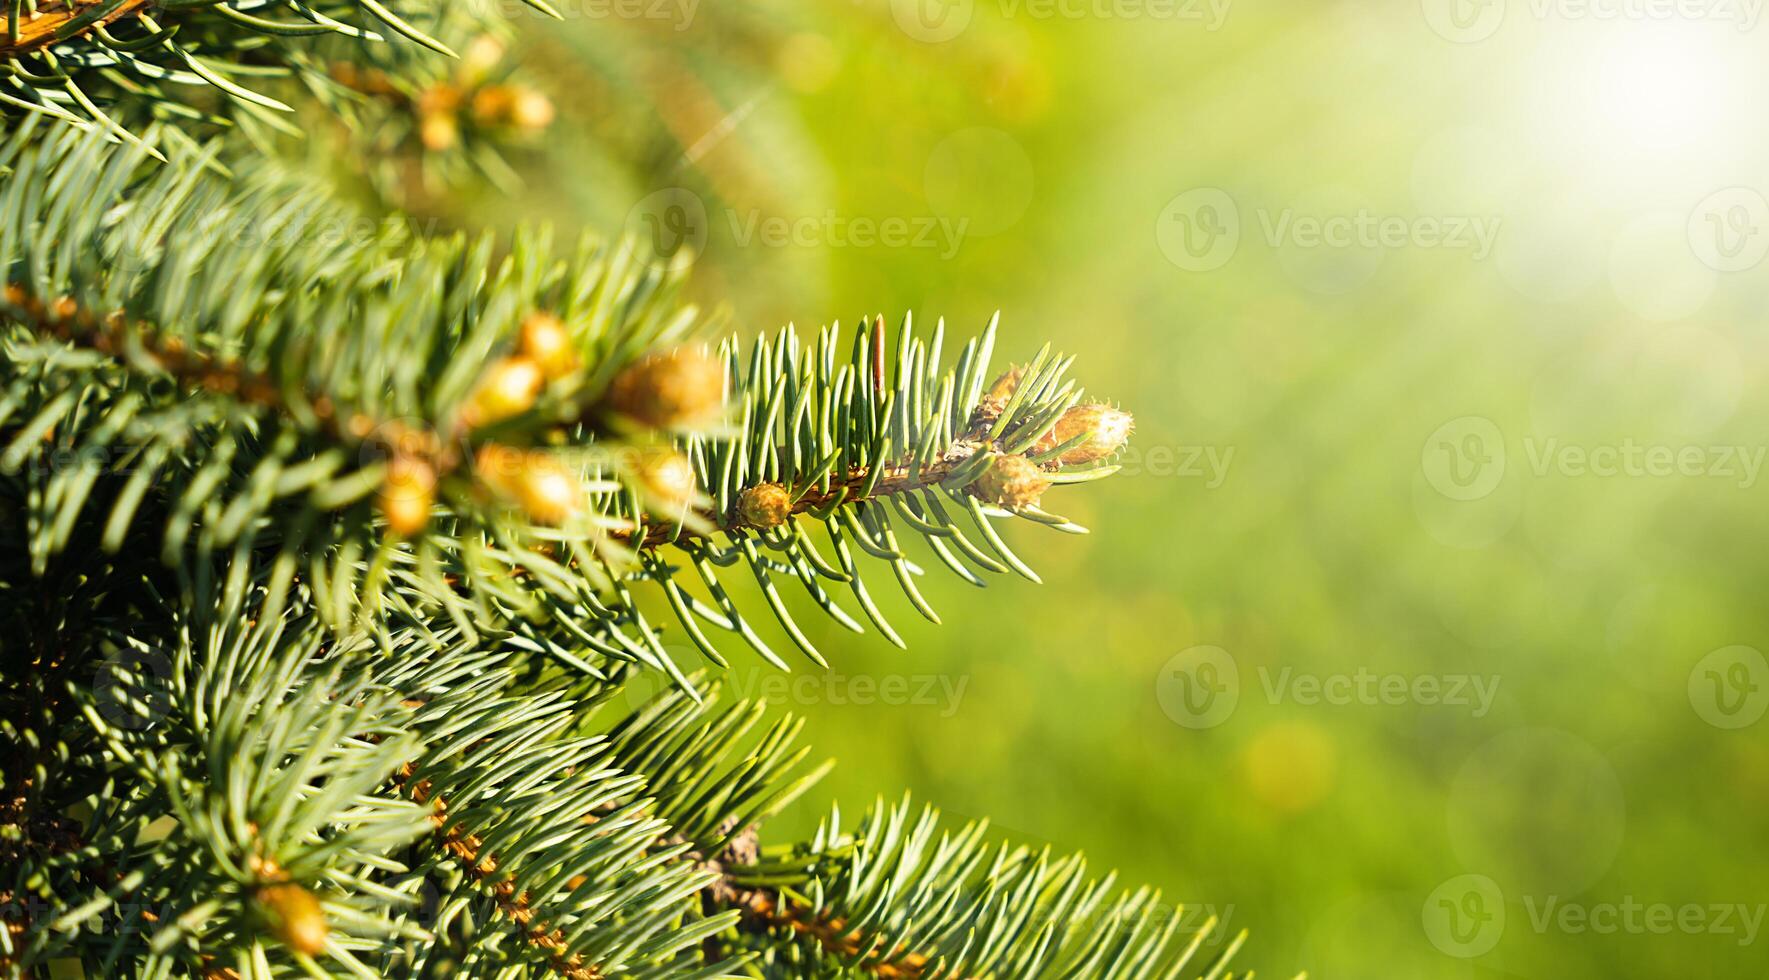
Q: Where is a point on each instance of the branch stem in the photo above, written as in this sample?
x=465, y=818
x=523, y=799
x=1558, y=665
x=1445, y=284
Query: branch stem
x=51, y=24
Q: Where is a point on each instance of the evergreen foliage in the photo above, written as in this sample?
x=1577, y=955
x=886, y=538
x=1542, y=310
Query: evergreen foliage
x=327, y=558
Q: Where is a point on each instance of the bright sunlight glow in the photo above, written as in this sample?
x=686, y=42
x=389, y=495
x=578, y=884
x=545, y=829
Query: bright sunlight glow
x=1643, y=102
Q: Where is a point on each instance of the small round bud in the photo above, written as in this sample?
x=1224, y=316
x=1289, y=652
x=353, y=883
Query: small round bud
x=407, y=492
x=549, y=493
x=372, y=81
x=482, y=55
x=534, y=480
x=438, y=120
x=531, y=110
x=670, y=389
x=294, y=916
x=764, y=506
x=668, y=479
x=441, y=98
x=492, y=104
x=1001, y=391
x=517, y=106
x=1107, y=430
x=546, y=342
x=1011, y=481
x=438, y=131
x=509, y=388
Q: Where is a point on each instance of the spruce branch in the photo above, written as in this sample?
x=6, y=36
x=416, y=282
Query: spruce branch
x=482, y=866
x=58, y=21
x=114, y=65
x=901, y=898
x=631, y=853
x=898, y=897
x=332, y=554
x=502, y=441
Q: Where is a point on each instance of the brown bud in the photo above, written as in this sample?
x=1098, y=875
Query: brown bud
x=438, y=131
x=294, y=916
x=508, y=388
x=374, y=81
x=531, y=110
x=407, y=492
x=1011, y=481
x=492, y=104
x=438, y=109
x=670, y=389
x=549, y=493
x=517, y=106
x=482, y=55
x=764, y=506
x=668, y=478
x=439, y=98
x=546, y=342
x=1107, y=430
x=1001, y=391
x=532, y=479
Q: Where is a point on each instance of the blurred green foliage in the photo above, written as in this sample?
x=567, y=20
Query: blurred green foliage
x=1284, y=505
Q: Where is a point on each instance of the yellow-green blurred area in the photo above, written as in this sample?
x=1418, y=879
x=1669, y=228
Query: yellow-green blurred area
x=1441, y=552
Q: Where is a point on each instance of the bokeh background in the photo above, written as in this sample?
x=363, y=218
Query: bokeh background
x=1420, y=633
